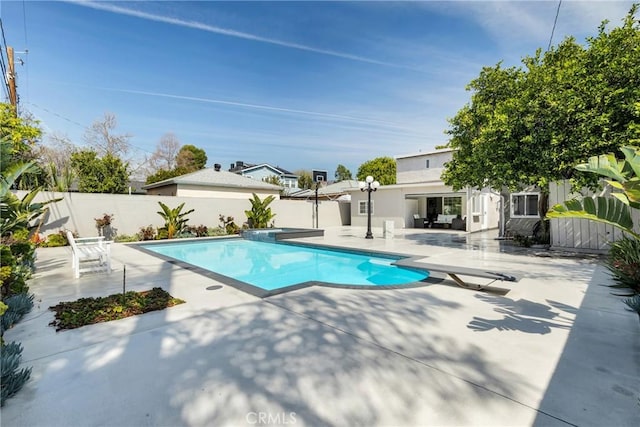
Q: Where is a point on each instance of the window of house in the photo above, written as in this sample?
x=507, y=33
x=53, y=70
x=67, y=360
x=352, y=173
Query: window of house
x=452, y=205
x=524, y=205
x=362, y=207
x=427, y=163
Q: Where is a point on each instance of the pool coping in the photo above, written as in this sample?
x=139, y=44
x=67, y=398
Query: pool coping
x=263, y=293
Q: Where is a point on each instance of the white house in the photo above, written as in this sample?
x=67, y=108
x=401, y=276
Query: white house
x=420, y=199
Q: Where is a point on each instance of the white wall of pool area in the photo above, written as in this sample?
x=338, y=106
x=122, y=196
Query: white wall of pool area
x=77, y=211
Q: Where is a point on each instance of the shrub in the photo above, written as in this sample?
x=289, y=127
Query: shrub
x=522, y=240
x=199, y=231
x=15, y=270
x=216, y=231
x=18, y=282
x=147, y=233
x=18, y=306
x=56, y=240
x=623, y=262
x=6, y=257
x=12, y=379
x=162, y=234
x=633, y=303
x=123, y=238
x=228, y=225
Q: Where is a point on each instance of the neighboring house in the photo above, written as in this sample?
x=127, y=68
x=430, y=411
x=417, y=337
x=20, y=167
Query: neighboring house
x=212, y=182
x=262, y=171
x=420, y=199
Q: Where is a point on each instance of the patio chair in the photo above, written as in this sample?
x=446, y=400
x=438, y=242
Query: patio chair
x=89, y=254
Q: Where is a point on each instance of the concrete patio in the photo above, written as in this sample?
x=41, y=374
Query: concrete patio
x=557, y=349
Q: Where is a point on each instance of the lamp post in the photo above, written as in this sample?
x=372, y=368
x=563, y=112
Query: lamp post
x=369, y=186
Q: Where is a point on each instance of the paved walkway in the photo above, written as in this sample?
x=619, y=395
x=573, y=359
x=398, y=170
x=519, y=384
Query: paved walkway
x=557, y=349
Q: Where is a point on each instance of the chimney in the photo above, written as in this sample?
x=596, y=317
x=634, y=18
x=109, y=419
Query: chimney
x=216, y=167
x=233, y=166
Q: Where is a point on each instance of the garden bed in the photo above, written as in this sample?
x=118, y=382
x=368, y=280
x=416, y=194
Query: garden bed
x=87, y=311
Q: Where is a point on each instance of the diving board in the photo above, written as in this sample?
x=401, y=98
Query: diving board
x=454, y=272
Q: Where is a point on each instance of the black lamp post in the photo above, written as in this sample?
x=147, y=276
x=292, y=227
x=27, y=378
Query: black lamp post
x=369, y=186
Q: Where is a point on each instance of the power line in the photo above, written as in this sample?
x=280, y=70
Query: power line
x=555, y=21
x=4, y=40
x=24, y=21
x=3, y=64
x=26, y=48
x=86, y=128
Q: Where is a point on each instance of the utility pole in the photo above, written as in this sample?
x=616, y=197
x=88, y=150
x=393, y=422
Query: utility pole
x=11, y=79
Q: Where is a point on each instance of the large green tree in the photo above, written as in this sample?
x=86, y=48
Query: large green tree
x=382, y=169
x=162, y=174
x=191, y=158
x=108, y=174
x=305, y=181
x=342, y=173
x=528, y=125
x=22, y=133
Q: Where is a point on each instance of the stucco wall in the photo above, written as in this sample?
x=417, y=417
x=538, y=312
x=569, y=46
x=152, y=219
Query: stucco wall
x=223, y=193
x=414, y=169
x=388, y=204
x=77, y=211
x=488, y=215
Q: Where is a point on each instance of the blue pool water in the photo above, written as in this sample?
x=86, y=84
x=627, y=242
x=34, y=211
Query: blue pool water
x=271, y=266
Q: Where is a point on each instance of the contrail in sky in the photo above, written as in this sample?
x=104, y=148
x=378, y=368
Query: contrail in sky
x=238, y=34
x=260, y=107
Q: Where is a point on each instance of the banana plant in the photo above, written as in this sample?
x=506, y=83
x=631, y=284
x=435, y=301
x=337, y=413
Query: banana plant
x=260, y=213
x=16, y=213
x=624, y=176
x=175, y=220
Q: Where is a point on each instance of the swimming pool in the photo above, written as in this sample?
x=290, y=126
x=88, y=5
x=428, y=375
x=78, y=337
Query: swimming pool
x=274, y=266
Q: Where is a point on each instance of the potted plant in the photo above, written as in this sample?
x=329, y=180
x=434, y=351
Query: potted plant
x=103, y=225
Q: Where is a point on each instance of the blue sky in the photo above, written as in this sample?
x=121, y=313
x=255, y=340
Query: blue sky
x=302, y=85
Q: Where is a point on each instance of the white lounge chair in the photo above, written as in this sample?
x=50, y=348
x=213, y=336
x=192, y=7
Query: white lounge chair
x=90, y=254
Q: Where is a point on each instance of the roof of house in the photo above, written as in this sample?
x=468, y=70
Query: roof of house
x=212, y=178
x=245, y=167
x=426, y=153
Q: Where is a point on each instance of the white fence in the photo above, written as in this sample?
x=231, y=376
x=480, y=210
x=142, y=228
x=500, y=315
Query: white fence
x=77, y=212
x=581, y=233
